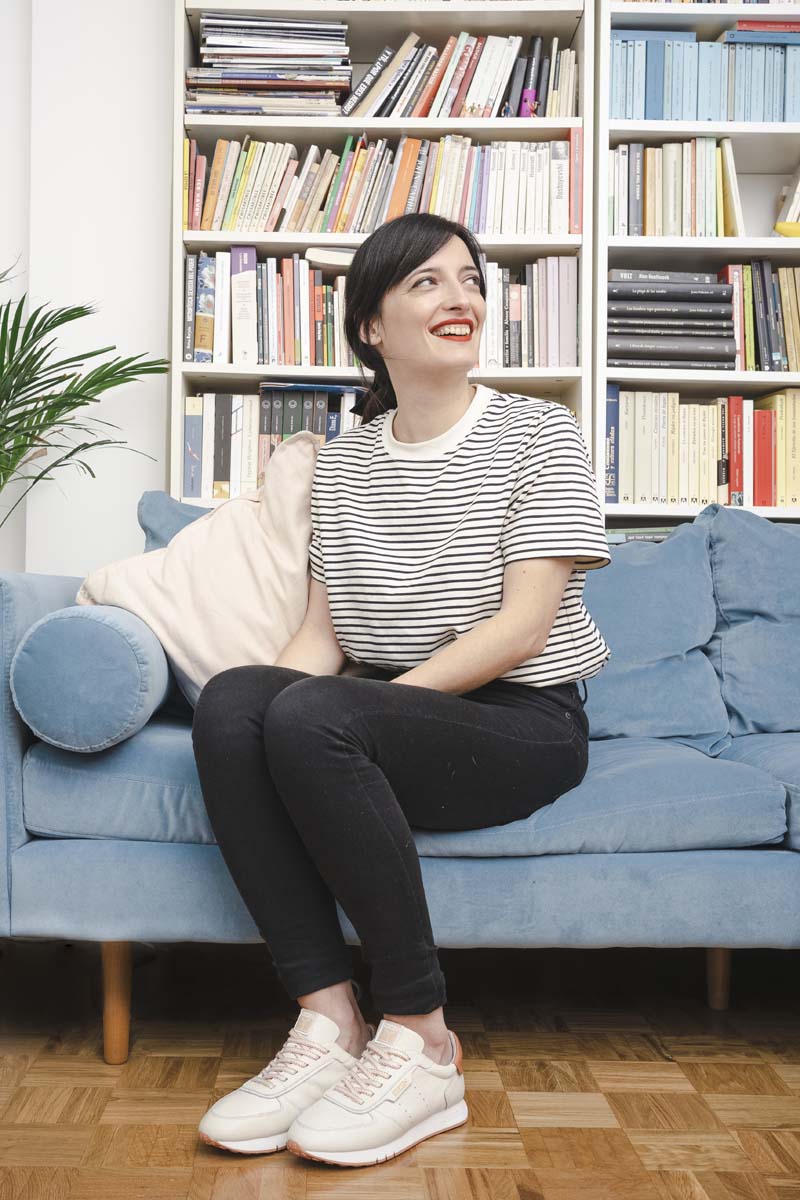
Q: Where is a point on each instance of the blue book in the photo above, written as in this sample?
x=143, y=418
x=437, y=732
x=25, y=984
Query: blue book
x=757, y=86
x=668, y=51
x=783, y=37
x=676, y=104
x=612, y=442
x=639, y=73
x=617, y=81
x=748, y=80
x=192, y=445
x=738, y=91
x=628, y=47
x=791, y=109
x=779, y=82
x=716, y=79
x=705, y=89
x=691, y=52
x=769, y=83
x=654, y=83
x=654, y=35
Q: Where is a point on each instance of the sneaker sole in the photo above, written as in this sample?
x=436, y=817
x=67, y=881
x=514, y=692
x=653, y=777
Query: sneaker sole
x=440, y=1122
x=268, y=1145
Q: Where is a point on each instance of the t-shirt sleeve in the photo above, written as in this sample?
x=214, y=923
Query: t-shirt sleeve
x=554, y=510
x=314, y=548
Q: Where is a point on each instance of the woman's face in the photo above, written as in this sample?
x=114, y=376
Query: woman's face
x=445, y=289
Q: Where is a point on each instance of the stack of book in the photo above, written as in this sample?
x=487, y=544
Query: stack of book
x=682, y=189
x=263, y=66
x=242, y=311
x=674, y=321
x=750, y=73
x=527, y=188
x=733, y=450
x=475, y=75
x=228, y=439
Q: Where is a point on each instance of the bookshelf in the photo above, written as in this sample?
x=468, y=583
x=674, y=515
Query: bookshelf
x=766, y=155
x=373, y=24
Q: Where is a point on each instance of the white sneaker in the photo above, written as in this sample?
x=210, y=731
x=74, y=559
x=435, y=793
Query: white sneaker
x=256, y=1117
x=394, y=1097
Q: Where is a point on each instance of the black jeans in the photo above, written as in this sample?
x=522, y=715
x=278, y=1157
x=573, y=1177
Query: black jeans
x=313, y=782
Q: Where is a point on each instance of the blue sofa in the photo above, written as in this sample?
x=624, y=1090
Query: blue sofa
x=685, y=830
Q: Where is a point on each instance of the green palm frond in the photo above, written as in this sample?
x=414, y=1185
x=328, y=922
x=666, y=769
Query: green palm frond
x=41, y=395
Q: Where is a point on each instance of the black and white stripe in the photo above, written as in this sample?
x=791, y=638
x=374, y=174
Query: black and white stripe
x=411, y=539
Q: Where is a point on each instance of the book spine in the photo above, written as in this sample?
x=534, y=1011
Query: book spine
x=192, y=446
x=190, y=290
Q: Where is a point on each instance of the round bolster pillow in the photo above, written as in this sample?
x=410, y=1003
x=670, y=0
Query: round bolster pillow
x=86, y=677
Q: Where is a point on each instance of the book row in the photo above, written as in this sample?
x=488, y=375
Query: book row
x=518, y=187
x=745, y=318
x=245, y=312
x=667, y=75
x=733, y=450
x=269, y=66
x=475, y=75
x=685, y=189
x=228, y=439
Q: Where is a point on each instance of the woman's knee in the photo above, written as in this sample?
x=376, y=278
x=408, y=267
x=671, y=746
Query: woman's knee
x=232, y=696
x=310, y=699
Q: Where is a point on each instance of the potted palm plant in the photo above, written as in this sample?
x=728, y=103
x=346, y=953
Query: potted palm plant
x=42, y=397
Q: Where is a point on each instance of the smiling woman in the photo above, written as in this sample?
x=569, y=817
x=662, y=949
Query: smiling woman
x=451, y=534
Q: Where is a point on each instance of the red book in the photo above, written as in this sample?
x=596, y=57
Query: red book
x=770, y=26
x=287, y=289
x=735, y=460
x=763, y=456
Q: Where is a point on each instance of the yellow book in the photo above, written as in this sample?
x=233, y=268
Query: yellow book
x=788, y=305
x=253, y=150
x=359, y=151
x=777, y=403
x=749, y=330
x=720, y=230
x=436, y=172
x=352, y=189
x=793, y=447
x=212, y=191
x=185, y=183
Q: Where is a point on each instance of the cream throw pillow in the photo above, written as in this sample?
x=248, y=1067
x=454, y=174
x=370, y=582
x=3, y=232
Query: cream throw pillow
x=231, y=588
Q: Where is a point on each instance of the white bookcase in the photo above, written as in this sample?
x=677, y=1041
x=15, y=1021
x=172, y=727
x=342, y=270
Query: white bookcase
x=765, y=155
x=372, y=24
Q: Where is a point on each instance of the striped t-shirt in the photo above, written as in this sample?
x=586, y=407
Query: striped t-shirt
x=411, y=539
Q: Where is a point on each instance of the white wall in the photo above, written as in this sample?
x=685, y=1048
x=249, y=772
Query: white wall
x=15, y=90
x=100, y=188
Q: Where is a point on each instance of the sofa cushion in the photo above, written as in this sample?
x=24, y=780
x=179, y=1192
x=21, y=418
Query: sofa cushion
x=655, y=607
x=639, y=794
x=755, y=648
x=779, y=755
x=84, y=679
x=231, y=588
x=161, y=516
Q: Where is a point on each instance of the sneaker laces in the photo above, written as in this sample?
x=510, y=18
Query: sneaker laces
x=374, y=1066
x=294, y=1055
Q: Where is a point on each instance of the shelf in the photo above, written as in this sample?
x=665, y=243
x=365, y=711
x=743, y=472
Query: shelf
x=433, y=20
x=332, y=131
x=277, y=244
x=709, y=20
x=759, y=148
x=689, y=510
x=711, y=383
x=546, y=381
x=677, y=251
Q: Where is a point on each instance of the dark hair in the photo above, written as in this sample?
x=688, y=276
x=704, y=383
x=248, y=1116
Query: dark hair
x=382, y=260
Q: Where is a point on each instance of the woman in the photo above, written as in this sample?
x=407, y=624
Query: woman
x=451, y=533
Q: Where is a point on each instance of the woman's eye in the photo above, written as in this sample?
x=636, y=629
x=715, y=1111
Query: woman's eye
x=425, y=278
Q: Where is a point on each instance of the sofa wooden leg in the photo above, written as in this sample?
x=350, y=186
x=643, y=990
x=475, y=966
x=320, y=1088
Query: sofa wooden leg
x=117, y=960
x=718, y=977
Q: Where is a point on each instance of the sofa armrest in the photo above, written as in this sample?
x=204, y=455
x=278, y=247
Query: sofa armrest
x=24, y=598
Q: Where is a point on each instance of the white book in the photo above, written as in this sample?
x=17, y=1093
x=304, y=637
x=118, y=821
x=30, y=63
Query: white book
x=537, y=358
x=492, y=345
x=449, y=70
x=497, y=87
x=683, y=454
x=523, y=207
x=559, y=187
x=611, y=184
x=510, y=189
x=311, y=156
x=713, y=456
x=686, y=190
x=673, y=446
x=731, y=200
x=338, y=307
x=496, y=168
x=622, y=191
x=655, y=455
x=659, y=192
x=286, y=153
x=747, y=452
x=222, y=308
x=553, y=58
x=250, y=419
x=463, y=159
x=700, y=188
x=481, y=85
x=552, y=311
x=643, y=438
x=207, y=465
x=663, y=439
x=305, y=324
x=543, y=315
x=265, y=169
x=237, y=415
x=543, y=188
x=228, y=172
x=703, y=455
x=694, y=454
x=244, y=330
x=567, y=311
x=673, y=188
x=626, y=447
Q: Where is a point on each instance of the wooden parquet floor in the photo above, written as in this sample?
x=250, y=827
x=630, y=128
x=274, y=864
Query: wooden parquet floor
x=599, y=1074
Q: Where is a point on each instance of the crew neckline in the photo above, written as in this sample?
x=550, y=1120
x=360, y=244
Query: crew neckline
x=441, y=445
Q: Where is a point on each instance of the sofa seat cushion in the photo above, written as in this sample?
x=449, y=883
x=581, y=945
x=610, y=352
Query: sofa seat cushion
x=779, y=755
x=639, y=794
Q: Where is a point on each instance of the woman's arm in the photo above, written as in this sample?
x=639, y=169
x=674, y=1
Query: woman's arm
x=314, y=648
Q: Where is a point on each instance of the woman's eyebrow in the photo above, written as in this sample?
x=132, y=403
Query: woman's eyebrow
x=426, y=269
